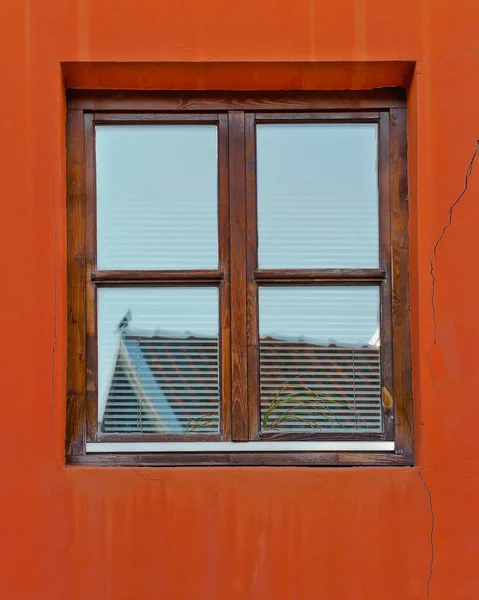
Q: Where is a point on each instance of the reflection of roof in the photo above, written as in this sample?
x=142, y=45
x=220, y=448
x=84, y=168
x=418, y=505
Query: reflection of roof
x=166, y=383
x=162, y=383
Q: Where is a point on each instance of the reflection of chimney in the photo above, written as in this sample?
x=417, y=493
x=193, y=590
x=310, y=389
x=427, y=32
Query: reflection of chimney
x=123, y=324
x=376, y=339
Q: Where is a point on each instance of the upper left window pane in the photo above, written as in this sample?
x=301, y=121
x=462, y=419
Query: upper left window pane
x=157, y=197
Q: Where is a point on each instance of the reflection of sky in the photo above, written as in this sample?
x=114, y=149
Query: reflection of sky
x=157, y=209
x=344, y=315
x=317, y=196
x=157, y=196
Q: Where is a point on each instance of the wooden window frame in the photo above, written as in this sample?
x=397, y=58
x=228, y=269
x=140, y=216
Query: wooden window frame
x=236, y=115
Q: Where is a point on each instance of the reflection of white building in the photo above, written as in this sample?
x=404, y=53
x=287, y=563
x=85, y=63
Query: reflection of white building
x=376, y=339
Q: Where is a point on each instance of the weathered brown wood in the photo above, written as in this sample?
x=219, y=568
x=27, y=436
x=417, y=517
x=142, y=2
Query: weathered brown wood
x=116, y=118
x=320, y=436
x=90, y=298
x=76, y=344
x=239, y=374
x=387, y=380
x=108, y=100
x=213, y=276
x=224, y=288
x=315, y=117
x=252, y=286
x=238, y=459
x=315, y=276
x=159, y=437
x=237, y=276
x=402, y=395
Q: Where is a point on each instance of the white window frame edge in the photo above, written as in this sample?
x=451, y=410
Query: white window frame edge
x=359, y=446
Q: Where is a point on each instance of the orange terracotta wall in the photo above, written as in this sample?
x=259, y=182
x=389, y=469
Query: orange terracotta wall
x=234, y=534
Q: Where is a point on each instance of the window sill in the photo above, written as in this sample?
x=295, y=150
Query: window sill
x=213, y=447
x=134, y=455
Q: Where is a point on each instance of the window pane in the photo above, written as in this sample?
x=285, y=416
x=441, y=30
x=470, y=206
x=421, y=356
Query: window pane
x=158, y=360
x=317, y=196
x=157, y=196
x=320, y=359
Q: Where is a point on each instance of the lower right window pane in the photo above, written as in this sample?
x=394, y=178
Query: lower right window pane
x=320, y=359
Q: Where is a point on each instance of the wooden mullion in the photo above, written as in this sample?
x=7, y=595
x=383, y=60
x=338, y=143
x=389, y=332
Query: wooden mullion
x=214, y=101
x=209, y=276
x=91, y=295
x=252, y=286
x=404, y=429
x=239, y=372
x=159, y=437
x=322, y=436
x=319, y=276
x=386, y=350
x=76, y=345
x=128, y=118
x=315, y=117
x=224, y=273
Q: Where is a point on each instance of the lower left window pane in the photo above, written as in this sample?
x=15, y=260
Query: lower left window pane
x=158, y=360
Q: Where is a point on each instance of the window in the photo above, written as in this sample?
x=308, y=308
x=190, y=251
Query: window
x=238, y=279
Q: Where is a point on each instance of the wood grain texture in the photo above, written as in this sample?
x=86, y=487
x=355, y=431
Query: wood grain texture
x=252, y=299
x=214, y=276
x=320, y=436
x=318, y=276
x=242, y=459
x=239, y=371
x=224, y=273
x=107, y=101
x=401, y=333
x=317, y=117
x=151, y=118
x=387, y=379
x=76, y=332
x=90, y=225
x=159, y=437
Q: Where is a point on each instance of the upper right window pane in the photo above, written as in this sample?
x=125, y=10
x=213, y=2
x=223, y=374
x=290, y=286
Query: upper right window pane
x=317, y=195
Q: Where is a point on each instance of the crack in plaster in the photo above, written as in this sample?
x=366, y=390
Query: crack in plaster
x=433, y=521
x=432, y=271
x=433, y=260
x=55, y=335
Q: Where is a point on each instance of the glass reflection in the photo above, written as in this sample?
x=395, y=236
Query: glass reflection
x=158, y=360
x=157, y=196
x=320, y=359
x=317, y=196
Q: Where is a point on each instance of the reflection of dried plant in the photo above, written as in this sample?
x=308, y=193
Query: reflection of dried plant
x=292, y=396
x=202, y=421
x=298, y=395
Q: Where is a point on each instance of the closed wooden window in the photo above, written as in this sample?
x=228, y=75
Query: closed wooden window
x=238, y=279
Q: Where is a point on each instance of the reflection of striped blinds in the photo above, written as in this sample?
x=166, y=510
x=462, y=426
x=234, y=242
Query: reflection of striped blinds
x=157, y=196
x=155, y=375
x=317, y=188
x=307, y=387
x=320, y=358
x=164, y=385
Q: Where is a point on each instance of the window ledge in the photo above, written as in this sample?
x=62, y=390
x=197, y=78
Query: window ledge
x=242, y=458
x=276, y=446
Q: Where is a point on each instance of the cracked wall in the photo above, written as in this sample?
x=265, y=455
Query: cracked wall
x=433, y=258
x=373, y=533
